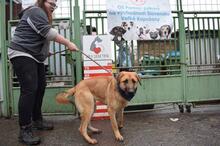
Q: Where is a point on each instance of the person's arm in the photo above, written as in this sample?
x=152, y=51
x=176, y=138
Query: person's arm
x=62, y=40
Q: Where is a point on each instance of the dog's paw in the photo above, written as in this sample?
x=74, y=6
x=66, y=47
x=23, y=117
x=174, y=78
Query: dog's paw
x=120, y=126
x=93, y=141
x=119, y=138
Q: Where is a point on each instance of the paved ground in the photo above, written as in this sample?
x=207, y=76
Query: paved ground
x=152, y=128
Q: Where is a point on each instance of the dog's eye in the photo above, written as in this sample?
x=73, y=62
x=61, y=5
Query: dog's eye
x=125, y=81
x=133, y=81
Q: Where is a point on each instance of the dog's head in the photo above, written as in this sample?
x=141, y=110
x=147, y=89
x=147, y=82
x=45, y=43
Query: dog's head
x=127, y=84
x=164, y=31
x=154, y=34
x=142, y=31
x=117, y=32
x=127, y=26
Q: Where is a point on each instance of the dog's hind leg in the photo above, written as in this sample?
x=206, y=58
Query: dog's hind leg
x=85, y=103
x=85, y=119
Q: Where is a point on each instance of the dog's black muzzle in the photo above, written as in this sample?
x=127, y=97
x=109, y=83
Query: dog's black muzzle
x=126, y=95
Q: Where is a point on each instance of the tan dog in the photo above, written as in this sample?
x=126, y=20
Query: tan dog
x=115, y=92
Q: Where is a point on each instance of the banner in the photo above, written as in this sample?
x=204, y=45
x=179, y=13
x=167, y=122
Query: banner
x=139, y=19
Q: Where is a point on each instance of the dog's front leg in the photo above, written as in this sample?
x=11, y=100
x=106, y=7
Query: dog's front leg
x=112, y=114
x=120, y=118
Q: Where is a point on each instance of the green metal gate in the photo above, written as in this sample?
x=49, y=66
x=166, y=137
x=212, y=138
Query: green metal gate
x=183, y=69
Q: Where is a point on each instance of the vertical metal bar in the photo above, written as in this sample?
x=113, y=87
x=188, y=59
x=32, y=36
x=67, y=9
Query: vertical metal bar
x=5, y=80
x=138, y=52
x=175, y=38
x=60, y=57
x=54, y=58
x=154, y=50
x=159, y=48
x=66, y=67
x=200, y=46
x=84, y=15
x=96, y=25
x=102, y=25
x=115, y=54
x=11, y=9
x=189, y=39
x=204, y=37
x=194, y=40
x=126, y=51
x=132, y=53
x=209, y=40
x=218, y=37
x=165, y=51
x=214, y=40
x=90, y=24
x=148, y=51
x=72, y=66
x=182, y=43
x=77, y=41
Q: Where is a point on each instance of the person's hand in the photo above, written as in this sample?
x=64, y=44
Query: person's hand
x=72, y=47
x=50, y=54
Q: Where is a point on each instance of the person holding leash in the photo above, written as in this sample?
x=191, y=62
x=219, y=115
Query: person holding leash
x=27, y=52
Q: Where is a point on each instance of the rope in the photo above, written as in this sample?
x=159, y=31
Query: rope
x=84, y=55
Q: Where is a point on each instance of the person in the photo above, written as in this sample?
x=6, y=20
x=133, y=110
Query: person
x=27, y=52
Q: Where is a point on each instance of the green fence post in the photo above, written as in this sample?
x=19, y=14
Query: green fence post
x=182, y=43
x=77, y=37
x=5, y=82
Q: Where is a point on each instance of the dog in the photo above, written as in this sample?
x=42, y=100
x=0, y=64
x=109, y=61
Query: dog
x=164, y=31
x=142, y=32
x=154, y=34
x=114, y=92
x=130, y=33
x=117, y=33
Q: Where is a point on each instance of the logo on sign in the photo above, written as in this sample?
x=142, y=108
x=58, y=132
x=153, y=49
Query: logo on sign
x=96, y=45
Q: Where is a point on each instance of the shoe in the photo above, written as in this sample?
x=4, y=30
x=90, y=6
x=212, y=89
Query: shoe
x=42, y=125
x=26, y=136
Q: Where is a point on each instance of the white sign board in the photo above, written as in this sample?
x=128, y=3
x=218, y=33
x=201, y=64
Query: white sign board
x=97, y=47
x=139, y=19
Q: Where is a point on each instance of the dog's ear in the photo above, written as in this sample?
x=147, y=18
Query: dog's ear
x=123, y=30
x=147, y=31
x=114, y=30
x=120, y=75
x=138, y=78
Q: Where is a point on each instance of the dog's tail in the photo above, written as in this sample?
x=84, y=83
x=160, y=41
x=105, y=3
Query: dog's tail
x=62, y=97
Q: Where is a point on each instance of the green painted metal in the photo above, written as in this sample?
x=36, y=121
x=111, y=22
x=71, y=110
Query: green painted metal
x=6, y=110
x=182, y=42
x=77, y=37
x=158, y=90
x=203, y=88
x=49, y=103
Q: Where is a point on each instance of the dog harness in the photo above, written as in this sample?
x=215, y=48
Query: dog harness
x=126, y=95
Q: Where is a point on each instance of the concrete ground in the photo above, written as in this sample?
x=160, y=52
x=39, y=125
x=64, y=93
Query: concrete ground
x=165, y=127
